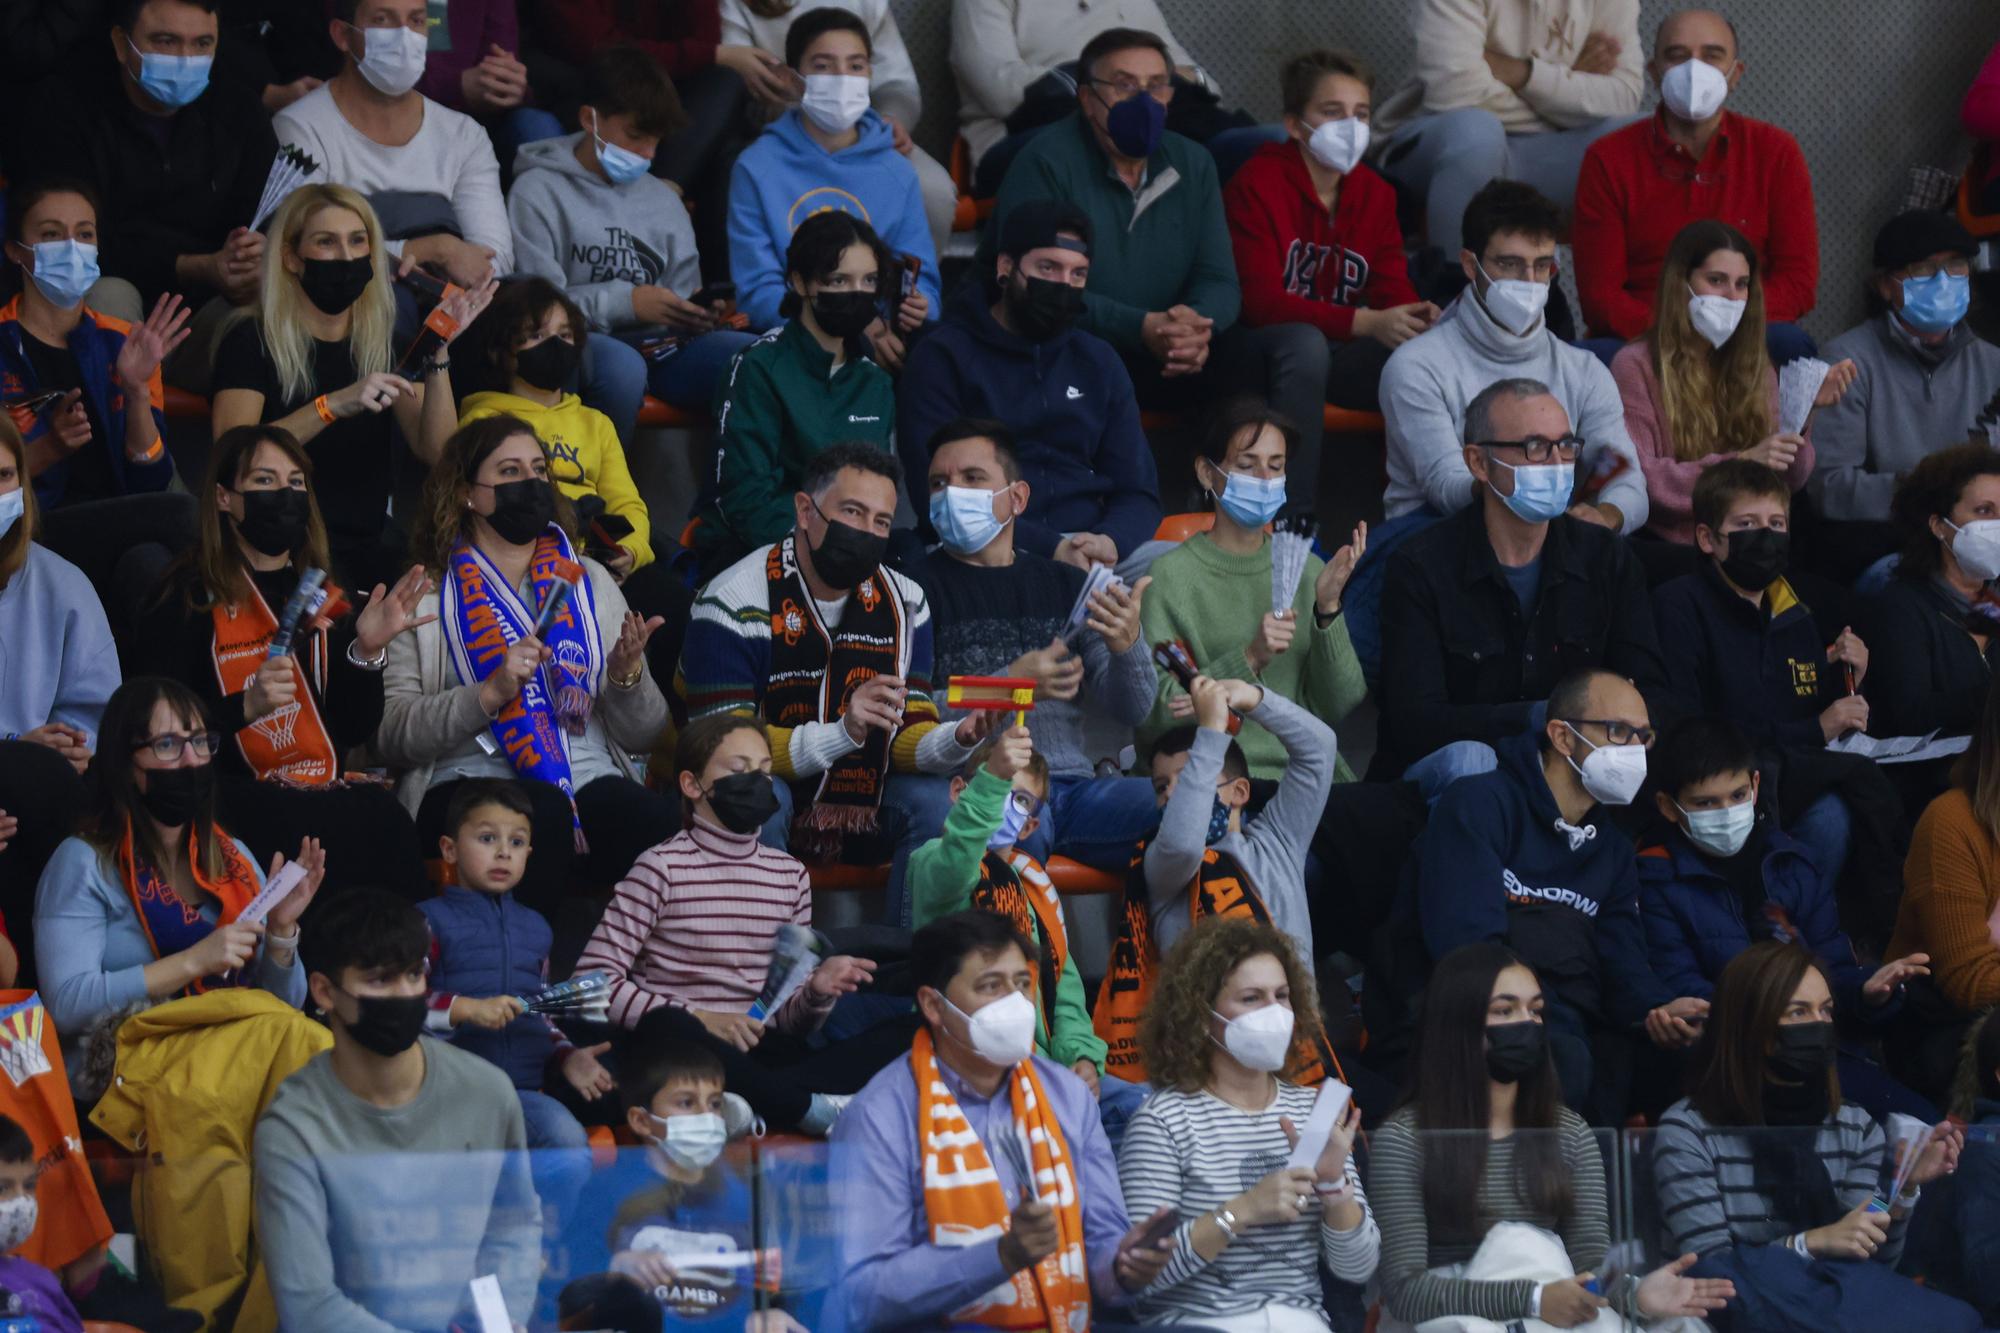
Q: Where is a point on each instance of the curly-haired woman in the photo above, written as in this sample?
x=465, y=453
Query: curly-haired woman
x=1214, y=1140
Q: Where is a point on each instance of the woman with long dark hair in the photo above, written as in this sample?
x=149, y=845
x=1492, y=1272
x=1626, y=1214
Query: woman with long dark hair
x=142, y=905
x=1762, y=1165
x=475, y=693
x=1484, y=1139
x=289, y=719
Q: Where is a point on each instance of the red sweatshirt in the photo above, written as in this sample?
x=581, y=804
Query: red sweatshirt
x=1638, y=189
x=681, y=34
x=1298, y=265
x=1980, y=113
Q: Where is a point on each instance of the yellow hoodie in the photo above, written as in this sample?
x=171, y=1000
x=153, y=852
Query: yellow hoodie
x=584, y=455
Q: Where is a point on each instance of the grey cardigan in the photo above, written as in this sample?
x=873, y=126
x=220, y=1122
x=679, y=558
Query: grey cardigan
x=426, y=715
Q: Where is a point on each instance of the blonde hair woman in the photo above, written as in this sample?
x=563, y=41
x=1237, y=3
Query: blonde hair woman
x=318, y=361
x=1699, y=387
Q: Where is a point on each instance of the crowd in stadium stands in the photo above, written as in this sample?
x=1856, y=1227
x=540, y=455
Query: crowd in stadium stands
x=397, y=799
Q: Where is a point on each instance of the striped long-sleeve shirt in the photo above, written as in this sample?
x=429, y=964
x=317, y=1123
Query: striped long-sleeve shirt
x=1194, y=1152
x=1706, y=1183
x=1396, y=1183
x=692, y=924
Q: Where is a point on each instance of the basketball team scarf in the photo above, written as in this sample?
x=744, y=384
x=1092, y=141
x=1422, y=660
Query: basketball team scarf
x=1019, y=889
x=1219, y=888
x=964, y=1203
x=171, y=923
x=290, y=745
x=814, y=670
x=482, y=617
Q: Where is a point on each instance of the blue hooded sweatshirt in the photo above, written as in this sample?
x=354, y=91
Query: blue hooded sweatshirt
x=1498, y=863
x=1069, y=403
x=785, y=177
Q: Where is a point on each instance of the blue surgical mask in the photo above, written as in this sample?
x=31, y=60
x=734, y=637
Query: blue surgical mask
x=12, y=505
x=1012, y=820
x=1136, y=124
x=622, y=165
x=65, y=270
x=1541, y=490
x=172, y=81
x=963, y=518
x=1252, y=501
x=1218, y=822
x=1935, y=304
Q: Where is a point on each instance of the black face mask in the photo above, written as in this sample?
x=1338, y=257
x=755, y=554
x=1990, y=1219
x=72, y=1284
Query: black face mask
x=548, y=364
x=846, y=555
x=274, y=522
x=845, y=314
x=336, y=284
x=1041, y=308
x=1795, y=1091
x=388, y=1025
x=743, y=801
x=1757, y=557
x=522, y=509
x=176, y=796
x=1515, y=1050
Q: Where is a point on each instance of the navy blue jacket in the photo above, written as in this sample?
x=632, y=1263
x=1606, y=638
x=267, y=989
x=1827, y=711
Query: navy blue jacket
x=1494, y=866
x=96, y=342
x=1069, y=403
x=488, y=944
x=1762, y=667
x=1695, y=922
x=1977, y=1195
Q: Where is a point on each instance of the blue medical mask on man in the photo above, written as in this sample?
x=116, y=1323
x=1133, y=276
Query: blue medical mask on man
x=172, y=81
x=1541, y=490
x=1937, y=303
x=622, y=165
x=963, y=518
x=65, y=270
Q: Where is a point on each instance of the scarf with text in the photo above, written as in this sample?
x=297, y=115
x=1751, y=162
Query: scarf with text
x=291, y=745
x=174, y=925
x=1019, y=889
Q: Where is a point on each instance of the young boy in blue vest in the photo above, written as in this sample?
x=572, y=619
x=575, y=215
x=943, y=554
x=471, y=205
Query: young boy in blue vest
x=488, y=949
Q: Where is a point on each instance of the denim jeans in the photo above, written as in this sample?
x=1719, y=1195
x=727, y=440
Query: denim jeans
x=687, y=377
x=559, y=1151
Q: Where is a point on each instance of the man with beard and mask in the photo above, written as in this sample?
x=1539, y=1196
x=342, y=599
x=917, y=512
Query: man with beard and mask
x=1486, y=611
x=1694, y=159
x=1061, y=391
x=391, y=1170
x=975, y=1182
x=804, y=387
x=832, y=650
x=690, y=934
x=1528, y=855
x=832, y=151
x=1163, y=287
x=429, y=171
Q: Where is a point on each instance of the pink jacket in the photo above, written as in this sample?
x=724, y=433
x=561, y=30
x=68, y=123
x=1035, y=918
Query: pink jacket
x=1669, y=481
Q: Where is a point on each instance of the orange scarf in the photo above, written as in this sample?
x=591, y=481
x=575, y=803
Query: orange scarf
x=292, y=744
x=966, y=1205
x=173, y=924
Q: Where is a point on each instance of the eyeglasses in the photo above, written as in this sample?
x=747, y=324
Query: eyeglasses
x=168, y=748
x=1515, y=269
x=1957, y=268
x=1160, y=89
x=1618, y=733
x=1539, y=448
x=1025, y=802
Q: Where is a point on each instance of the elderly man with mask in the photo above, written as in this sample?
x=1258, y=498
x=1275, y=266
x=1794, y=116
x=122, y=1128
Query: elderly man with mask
x=1693, y=159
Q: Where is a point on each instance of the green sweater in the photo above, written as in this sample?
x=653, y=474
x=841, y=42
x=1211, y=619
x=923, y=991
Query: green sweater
x=1215, y=602
x=941, y=876
x=782, y=403
x=1163, y=246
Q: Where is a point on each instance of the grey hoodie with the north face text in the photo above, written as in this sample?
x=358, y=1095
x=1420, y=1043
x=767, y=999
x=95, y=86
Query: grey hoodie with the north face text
x=594, y=239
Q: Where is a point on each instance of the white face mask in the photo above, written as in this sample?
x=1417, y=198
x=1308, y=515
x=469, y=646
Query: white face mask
x=1720, y=832
x=834, y=102
x=1976, y=547
x=1612, y=774
x=1515, y=303
x=394, y=60
x=17, y=1222
x=1694, y=89
x=1001, y=1033
x=691, y=1142
x=1338, y=145
x=1260, y=1039
x=1715, y=317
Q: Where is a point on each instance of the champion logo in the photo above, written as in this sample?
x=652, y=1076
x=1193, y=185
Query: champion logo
x=852, y=419
x=1073, y=392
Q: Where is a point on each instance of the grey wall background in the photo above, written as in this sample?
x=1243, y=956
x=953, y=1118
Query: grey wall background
x=1869, y=89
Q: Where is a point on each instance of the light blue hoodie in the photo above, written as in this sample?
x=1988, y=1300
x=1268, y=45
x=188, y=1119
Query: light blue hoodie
x=785, y=177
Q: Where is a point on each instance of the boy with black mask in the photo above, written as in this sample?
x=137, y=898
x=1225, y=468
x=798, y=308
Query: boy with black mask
x=391, y=1170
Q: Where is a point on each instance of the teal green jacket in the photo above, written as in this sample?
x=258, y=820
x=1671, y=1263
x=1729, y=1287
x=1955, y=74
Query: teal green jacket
x=941, y=877
x=1165, y=245
x=781, y=404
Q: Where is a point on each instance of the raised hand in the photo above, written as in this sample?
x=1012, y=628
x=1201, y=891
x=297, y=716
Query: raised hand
x=285, y=915
x=629, y=653
x=390, y=612
x=1334, y=575
x=1879, y=987
x=1113, y=612
x=150, y=343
